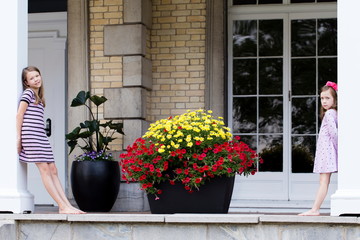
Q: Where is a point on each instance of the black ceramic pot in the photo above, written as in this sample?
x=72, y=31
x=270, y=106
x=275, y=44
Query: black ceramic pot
x=95, y=184
x=213, y=197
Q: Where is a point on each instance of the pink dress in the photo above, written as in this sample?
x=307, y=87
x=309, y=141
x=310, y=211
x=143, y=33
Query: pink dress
x=326, y=157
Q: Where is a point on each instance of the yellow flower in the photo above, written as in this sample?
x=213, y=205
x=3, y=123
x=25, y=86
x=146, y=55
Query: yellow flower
x=190, y=144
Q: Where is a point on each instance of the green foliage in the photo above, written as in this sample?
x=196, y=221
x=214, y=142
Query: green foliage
x=95, y=136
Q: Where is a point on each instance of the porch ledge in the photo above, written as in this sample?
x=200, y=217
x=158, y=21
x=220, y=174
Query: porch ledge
x=181, y=218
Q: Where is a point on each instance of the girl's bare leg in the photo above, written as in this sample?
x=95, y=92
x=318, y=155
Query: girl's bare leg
x=320, y=196
x=59, y=188
x=52, y=189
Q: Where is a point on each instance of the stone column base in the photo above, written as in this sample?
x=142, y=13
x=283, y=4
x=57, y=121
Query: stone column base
x=16, y=201
x=345, y=202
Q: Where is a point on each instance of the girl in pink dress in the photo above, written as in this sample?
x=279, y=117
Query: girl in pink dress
x=326, y=158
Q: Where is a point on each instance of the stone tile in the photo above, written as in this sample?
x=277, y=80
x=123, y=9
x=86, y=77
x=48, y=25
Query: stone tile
x=34, y=217
x=306, y=219
x=212, y=218
x=116, y=218
x=44, y=230
x=7, y=229
x=170, y=231
x=84, y=231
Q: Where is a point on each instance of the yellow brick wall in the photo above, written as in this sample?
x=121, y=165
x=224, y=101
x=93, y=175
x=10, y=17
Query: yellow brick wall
x=105, y=71
x=178, y=57
x=175, y=44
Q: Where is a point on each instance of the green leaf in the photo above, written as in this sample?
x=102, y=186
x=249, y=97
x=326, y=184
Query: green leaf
x=118, y=127
x=98, y=100
x=80, y=99
x=91, y=125
x=72, y=144
x=74, y=134
x=85, y=134
x=106, y=124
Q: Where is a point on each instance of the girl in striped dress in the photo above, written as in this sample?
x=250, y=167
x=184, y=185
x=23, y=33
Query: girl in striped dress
x=32, y=143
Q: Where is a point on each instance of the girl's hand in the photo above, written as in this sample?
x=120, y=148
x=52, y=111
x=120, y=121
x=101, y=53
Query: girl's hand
x=19, y=146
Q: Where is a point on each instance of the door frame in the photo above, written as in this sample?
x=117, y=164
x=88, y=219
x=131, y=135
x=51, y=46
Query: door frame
x=255, y=187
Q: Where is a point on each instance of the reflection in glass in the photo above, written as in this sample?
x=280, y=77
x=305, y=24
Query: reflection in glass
x=271, y=37
x=302, y=1
x=249, y=140
x=244, y=77
x=303, y=154
x=269, y=1
x=303, y=75
x=243, y=2
x=303, y=37
x=303, y=115
x=270, y=115
x=271, y=151
x=270, y=76
x=244, y=38
x=244, y=115
x=327, y=35
x=327, y=70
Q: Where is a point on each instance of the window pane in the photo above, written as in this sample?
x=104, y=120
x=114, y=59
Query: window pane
x=327, y=31
x=242, y=2
x=270, y=115
x=249, y=140
x=271, y=151
x=303, y=76
x=271, y=76
x=303, y=154
x=303, y=37
x=304, y=115
x=269, y=1
x=302, y=1
x=244, y=115
x=271, y=37
x=244, y=77
x=244, y=38
x=327, y=70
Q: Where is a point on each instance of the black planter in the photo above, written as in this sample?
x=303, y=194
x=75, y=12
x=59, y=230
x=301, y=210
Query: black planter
x=213, y=197
x=95, y=184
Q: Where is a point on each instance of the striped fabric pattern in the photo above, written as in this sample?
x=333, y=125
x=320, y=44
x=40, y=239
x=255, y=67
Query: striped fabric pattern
x=35, y=144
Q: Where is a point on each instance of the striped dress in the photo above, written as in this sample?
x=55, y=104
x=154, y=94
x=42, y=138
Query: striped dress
x=35, y=144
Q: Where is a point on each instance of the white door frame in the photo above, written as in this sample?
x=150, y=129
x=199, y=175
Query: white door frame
x=49, y=29
x=285, y=183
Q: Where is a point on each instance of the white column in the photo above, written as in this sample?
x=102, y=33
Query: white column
x=346, y=199
x=14, y=196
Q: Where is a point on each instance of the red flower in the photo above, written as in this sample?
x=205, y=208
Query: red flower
x=198, y=180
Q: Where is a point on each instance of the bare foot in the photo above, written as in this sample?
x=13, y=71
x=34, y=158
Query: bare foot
x=70, y=210
x=310, y=213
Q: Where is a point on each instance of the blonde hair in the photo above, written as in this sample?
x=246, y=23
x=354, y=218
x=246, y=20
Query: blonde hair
x=39, y=96
x=334, y=95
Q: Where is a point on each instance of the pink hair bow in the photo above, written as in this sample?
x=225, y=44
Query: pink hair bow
x=332, y=84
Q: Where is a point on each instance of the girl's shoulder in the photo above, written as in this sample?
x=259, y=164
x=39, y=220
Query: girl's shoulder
x=331, y=113
x=28, y=91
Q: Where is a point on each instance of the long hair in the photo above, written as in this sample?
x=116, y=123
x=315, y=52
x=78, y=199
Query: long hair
x=334, y=95
x=39, y=97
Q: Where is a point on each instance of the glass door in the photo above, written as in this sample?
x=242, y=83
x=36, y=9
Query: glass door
x=276, y=64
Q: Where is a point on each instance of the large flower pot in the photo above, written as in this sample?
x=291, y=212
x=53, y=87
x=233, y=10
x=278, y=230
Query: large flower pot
x=213, y=197
x=95, y=184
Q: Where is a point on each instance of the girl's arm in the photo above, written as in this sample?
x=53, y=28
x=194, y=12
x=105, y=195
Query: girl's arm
x=331, y=122
x=19, y=121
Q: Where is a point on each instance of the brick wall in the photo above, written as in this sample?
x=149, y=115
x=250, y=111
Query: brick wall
x=178, y=55
x=105, y=71
x=175, y=44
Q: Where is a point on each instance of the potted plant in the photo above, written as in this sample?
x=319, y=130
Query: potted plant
x=193, y=153
x=95, y=176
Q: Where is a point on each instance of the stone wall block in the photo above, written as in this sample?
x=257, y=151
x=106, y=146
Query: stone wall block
x=125, y=103
x=125, y=40
x=137, y=72
x=133, y=129
x=138, y=11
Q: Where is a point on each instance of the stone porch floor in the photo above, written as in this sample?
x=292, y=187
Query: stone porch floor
x=46, y=224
